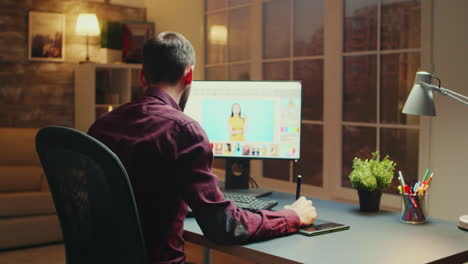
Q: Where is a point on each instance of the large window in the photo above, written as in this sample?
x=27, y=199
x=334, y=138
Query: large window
x=381, y=54
x=293, y=50
x=357, y=60
x=227, y=35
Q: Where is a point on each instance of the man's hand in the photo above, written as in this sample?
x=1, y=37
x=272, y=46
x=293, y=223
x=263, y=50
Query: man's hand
x=304, y=210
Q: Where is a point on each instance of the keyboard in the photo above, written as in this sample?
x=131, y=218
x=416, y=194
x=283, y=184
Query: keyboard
x=250, y=203
x=245, y=202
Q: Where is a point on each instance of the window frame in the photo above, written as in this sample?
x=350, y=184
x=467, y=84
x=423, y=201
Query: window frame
x=332, y=122
x=335, y=121
x=227, y=63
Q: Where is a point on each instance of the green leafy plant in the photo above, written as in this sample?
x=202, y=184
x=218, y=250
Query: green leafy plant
x=372, y=174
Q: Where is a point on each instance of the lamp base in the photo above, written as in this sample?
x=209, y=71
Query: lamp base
x=86, y=61
x=87, y=51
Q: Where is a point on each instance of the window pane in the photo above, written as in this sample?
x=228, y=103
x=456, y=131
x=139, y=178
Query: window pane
x=278, y=71
x=239, y=34
x=360, y=25
x=308, y=27
x=357, y=142
x=276, y=29
x=397, y=78
x=216, y=36
x=402, y=147
x=311, y=73
x=238, y=2
x=359, y=95
x=401, y=24
x=215, y=4
x=216, y=73
x=239, y=72
x=277, y=169
x=310, y=165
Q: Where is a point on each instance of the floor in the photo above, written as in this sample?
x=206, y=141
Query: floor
x=54, y=254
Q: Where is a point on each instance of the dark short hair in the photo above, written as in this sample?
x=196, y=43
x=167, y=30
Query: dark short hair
x=166, y=56
x=232, y=109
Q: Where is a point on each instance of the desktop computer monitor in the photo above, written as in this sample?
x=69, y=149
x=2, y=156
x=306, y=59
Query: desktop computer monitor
x=248, y=120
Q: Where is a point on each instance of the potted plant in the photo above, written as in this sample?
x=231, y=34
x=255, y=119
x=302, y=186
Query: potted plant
x=370, y=177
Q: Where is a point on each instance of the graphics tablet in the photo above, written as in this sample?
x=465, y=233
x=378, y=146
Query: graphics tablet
x=321, y=227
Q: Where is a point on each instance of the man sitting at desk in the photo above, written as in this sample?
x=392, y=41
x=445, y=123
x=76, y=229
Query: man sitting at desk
x=168, y=159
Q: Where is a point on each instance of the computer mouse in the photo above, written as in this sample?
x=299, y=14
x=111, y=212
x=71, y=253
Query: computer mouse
x=463, y=222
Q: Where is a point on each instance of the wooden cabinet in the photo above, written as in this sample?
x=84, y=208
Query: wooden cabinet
x=100, y=88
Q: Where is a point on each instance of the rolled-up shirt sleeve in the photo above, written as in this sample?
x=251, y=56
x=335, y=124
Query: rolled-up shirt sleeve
x=220, y=220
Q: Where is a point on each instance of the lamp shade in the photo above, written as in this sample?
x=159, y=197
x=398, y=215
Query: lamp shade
x=421, y=98
x=87, y=25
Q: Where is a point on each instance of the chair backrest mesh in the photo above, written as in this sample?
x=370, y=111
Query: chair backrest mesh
x=93, y=197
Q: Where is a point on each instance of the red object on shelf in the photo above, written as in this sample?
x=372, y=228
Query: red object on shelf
x=134, y=37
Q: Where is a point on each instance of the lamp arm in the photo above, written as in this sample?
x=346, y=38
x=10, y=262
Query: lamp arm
x=454, y=93
x=458, y=99
x=446, y=92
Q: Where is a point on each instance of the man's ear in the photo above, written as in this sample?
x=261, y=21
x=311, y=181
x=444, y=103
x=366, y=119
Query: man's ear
x=188, y=76
x=143, y=81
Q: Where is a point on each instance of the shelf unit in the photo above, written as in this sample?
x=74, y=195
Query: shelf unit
x=100, y=88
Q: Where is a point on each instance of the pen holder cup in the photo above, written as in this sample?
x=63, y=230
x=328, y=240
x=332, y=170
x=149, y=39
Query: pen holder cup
x=413, y=208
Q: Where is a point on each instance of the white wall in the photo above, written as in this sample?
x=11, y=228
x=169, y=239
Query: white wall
x=182, y=16
x=449, y=139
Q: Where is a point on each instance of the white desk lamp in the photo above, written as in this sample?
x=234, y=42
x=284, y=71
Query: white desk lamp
x=421, y=102
x=421, y=99
x=87, y=25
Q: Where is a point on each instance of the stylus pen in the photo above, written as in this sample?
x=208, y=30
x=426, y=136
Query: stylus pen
x=298, y=188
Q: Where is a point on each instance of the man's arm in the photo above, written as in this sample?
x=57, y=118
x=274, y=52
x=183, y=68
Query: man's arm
x=220, y=220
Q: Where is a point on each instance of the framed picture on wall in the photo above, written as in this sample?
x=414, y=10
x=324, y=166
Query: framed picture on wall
x=46, y=36
x=134, y=37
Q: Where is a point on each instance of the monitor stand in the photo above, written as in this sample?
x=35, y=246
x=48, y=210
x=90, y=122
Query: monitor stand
x=237, y=179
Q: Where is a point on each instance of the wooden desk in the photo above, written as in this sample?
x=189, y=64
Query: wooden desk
x=372, y=238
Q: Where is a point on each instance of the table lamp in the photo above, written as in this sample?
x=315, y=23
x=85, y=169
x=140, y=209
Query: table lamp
x=421, y=98
x=421, y=102
x=87, y=25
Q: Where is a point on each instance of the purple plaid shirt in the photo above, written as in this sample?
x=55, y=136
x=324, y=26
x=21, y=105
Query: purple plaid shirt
x=168, y=159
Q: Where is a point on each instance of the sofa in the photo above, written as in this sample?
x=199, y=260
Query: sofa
x=27, y=212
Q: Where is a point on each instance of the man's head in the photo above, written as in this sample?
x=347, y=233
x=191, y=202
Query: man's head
x=168, y=58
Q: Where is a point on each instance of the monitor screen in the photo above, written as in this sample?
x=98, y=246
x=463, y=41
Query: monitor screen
x=249, y=119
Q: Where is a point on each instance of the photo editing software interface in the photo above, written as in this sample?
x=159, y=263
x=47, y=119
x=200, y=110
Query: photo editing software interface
x=249, y=119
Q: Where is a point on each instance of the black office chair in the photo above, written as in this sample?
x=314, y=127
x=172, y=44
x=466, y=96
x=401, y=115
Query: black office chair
x=93, y=197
